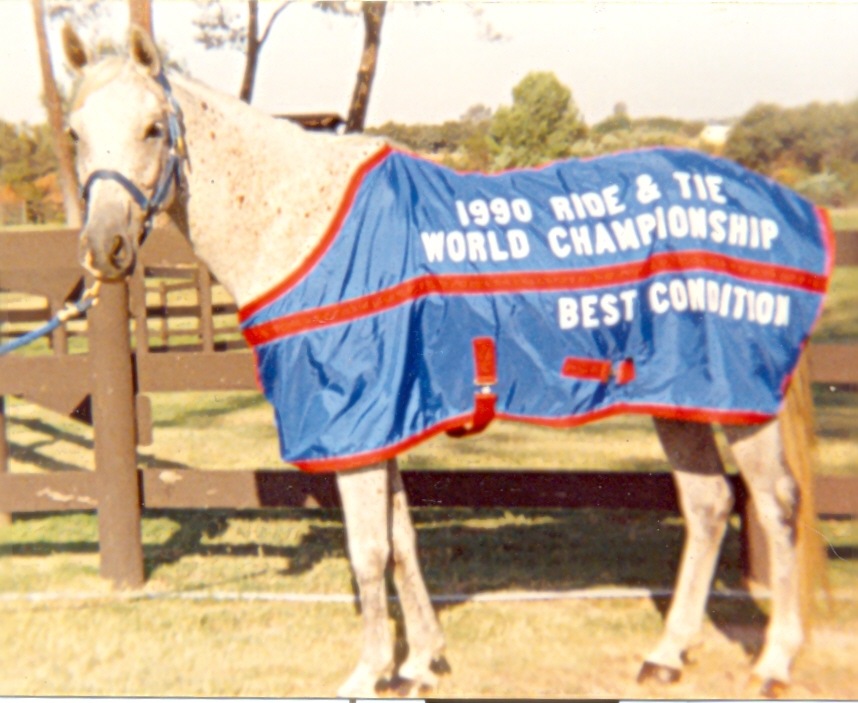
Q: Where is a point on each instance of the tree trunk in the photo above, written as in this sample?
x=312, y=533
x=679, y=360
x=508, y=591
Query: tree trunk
x=140, y=13
x=373, y=15
x=252, y=51
x=53, y=105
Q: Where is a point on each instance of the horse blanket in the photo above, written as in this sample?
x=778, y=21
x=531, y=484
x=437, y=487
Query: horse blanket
x=662, y=281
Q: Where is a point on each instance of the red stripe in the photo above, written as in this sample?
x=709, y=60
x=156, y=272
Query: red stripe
x=487, y=284
x=355, y=461
x=330, y=234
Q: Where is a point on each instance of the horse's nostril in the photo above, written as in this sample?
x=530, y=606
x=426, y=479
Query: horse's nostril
x=118, y=252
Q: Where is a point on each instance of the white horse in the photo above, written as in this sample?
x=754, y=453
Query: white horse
x=254, y=195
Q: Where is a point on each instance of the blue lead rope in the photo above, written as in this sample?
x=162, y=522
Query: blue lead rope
x=87, y=300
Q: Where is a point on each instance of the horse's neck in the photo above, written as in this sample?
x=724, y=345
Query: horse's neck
x=261, y=191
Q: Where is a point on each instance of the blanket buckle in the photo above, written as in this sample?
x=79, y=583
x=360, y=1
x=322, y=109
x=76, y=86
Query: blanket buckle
x=485, y=362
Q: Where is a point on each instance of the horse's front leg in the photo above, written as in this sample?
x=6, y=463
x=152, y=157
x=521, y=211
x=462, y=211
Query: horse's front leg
x=706, y=499
x=365, y=497
x=425, y=638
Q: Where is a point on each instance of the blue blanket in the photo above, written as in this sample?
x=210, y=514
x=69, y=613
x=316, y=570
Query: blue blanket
x=662, y=281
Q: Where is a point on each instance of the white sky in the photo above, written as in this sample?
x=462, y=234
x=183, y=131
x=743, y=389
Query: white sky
x=689, y=60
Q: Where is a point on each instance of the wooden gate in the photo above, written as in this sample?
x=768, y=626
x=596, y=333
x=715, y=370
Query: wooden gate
x=99, y=378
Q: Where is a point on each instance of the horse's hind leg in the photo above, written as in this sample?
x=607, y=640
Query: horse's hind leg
x=364, y=495
x=706, y=499
x=425, y=639
x=759, y=453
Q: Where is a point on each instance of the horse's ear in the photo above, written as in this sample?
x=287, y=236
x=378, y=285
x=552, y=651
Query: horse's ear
x=74, y=49
x=143, y=50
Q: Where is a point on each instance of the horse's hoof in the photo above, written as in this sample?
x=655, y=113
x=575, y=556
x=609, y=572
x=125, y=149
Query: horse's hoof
x=440, y=666
x=408, y=688
x=773, y=688
x=658, y=673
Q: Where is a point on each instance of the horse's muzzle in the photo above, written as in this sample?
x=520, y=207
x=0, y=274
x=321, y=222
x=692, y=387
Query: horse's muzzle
x=108, y=258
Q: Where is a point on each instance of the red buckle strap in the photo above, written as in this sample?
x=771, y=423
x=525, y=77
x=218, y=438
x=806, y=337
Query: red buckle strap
x=485, y=365
x=599, y=370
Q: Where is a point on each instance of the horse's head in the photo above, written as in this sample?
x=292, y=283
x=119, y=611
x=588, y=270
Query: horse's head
x=129, y=150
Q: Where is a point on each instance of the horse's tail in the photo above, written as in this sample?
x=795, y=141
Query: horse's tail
x=799, y=440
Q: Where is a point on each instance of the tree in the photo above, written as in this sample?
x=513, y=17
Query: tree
x=541, y=125
x=220, y=26
x=140, y=13
x=373, y=16
x=53, y=105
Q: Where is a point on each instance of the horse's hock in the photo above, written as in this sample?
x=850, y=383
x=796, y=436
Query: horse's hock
x=92, y=373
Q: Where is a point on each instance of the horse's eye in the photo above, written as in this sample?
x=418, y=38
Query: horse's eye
x=154, y=131
x=73, y=134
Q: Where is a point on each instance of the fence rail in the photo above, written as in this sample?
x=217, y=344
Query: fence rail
x=205, y=353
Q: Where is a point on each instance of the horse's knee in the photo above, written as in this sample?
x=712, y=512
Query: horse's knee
x=706, y=503
x=369, y=561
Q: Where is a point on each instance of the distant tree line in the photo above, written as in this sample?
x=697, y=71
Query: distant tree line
x=813, y=148
x=29, y=190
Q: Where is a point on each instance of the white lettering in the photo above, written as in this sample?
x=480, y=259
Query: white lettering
x=615, y=207
x=456, y=249
x=696, y=294
x=497, y=253
x=521, y=210
x=682, y=178
x=479, y=211
x=738, y=230
x=561, y=208
x=717, y=218
x=625, y=233
x=500, y=209
x=433, y=244
x=765, y=308
x=603, y=240
x=658, y=304
x=593, y=203
x=560, y=250
x=678, y=295
x=608, y=303
x=713, y=183
x=697, y=222
x=567, y=309
x=588, y=311
x=646, y=226
x=769, y=230
x=519, y=247
x=677, y=220
x=476, y=246
x=581, y=240
x=628, y=297
x=782, y=311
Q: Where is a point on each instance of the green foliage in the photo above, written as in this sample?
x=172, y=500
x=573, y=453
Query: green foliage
x=813, y=148
x=28, y=167
x=541, y=125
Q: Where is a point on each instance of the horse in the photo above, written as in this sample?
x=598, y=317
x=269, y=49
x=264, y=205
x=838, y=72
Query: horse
x=254, y=196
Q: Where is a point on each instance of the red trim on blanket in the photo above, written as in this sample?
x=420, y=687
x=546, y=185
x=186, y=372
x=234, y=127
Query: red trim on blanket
x=324, y=244
x=356, y=461
x=487, y=284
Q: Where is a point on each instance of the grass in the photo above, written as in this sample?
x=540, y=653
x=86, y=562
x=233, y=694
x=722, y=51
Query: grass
x=537, y=649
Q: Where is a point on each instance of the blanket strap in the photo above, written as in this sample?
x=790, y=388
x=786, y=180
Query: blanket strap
x=485, y=363
x=599, y=370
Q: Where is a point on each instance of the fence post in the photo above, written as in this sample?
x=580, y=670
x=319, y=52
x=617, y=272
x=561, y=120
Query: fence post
x=5, y=518
x=120, y=543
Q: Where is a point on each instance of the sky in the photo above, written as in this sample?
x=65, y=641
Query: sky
x=691, y=60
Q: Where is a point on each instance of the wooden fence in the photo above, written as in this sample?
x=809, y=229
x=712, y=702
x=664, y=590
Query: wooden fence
x=107, y=383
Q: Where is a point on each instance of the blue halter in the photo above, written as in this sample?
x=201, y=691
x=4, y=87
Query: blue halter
x=169, y=175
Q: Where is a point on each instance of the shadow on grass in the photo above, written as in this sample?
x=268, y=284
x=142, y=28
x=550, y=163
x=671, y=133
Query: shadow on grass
x=30, y=454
